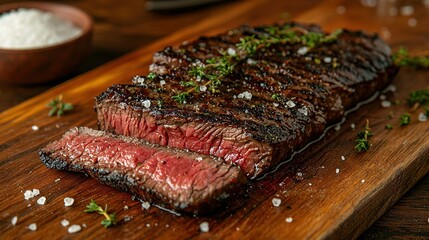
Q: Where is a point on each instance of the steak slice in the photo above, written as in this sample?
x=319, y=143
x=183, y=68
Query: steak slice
x=272, y=103
x=171, y=178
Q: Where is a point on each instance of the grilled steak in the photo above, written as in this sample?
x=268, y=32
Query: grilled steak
x=171, y=178
x=271, y=104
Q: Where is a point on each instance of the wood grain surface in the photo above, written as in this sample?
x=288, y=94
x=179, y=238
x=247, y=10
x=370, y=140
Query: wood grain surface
x=321, y=202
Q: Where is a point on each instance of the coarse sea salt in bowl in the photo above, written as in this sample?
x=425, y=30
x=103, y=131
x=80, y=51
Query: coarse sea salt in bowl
x=41, y=42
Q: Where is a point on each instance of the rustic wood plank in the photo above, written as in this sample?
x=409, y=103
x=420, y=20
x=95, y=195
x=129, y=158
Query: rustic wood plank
x=321, y=202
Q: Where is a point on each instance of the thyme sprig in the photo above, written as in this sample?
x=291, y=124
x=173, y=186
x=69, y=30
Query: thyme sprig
x=404, y=119
x=217, y=68
x=418, y=98
x=110, y=219
x=403, y=58
x=58, y=107
x=362, y=140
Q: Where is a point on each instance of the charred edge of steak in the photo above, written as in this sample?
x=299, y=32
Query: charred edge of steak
x=320, y=94
x=148, y=182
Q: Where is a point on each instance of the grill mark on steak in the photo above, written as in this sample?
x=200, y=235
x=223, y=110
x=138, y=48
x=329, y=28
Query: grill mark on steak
x=251, y=133
x=180, y=180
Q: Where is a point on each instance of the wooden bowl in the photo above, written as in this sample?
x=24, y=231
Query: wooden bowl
x=44, y=64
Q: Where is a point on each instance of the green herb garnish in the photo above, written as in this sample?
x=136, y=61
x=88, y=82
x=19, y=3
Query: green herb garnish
x=404, y=119
x=418, y=97
x=218, y=68
x=110, y=219
x=388, y=126
x=187, y=84
x=181, y=97
x=362, y=140
x=402, y=58
x=58, y=107
x=275, y=96
x=151, y=76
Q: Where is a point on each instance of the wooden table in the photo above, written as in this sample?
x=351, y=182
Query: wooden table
x=123, y=26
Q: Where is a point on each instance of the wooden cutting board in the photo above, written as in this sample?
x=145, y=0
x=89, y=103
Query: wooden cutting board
x=322, y=195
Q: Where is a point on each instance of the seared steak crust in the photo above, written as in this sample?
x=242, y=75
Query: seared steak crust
x=313, y=88
x=171, y=178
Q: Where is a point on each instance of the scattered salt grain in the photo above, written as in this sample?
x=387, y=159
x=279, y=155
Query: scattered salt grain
x=126, y=207
x=289, y=219
x=32, y=227
x=231, y=52
x=14, y=220
x=412, y=22
x=391, y=88
x=203, y=88
x=327, y=59
x=41, y=201
x=68, y=201
x=386, y=104
x=245, y=95
x=145, y=205
x=138, y=80
x=423, y=117
x=341, y=10
x=310, y=184
x=162, y=82
x=199, y=159
x=343, y=158
x=147, y=225
x=290, y=104
x=337, y=170
x=407, y=10
x=275, y=104
x=58, y=179
x=84, y=225
x=65, y=223
x=27, y=28
x=204, y=227
x=338, y=127
x=393, y=11
x=31, y=193
x=353, y=126
x=369, y=3
x=302, y=50
x=276, y=202
x=251, y=61
x=385, y=33
x=28, y=194
x=35, y=127
x=382, y=97
x=74, y=228
x=363, y=180
x=303, y=110
x=146, y=103
x=238, y=229
x=127, y=218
